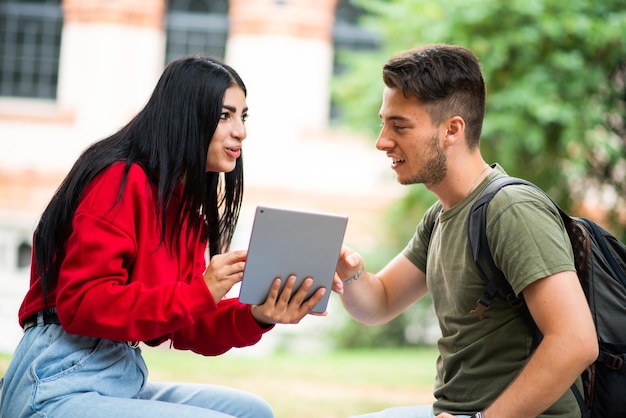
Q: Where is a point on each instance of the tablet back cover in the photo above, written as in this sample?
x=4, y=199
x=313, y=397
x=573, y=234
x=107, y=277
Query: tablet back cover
x=286, y=241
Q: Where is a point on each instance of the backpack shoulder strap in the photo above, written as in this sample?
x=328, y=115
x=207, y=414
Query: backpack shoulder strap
x=432, y=224
x=496, y=283
x=479, y=247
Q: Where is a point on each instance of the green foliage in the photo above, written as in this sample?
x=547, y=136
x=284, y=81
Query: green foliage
x=556, y=105
x=556, y=78
x=353, y=335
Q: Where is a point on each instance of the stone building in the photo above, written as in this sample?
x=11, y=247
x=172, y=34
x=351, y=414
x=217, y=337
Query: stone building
x=74, y=71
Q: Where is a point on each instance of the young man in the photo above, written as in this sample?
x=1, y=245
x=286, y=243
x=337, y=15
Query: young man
x=432, y=112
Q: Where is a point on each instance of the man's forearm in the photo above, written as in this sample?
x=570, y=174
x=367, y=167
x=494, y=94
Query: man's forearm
x=364, y=299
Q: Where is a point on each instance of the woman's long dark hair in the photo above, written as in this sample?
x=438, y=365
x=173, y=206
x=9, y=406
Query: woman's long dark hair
x=169, y=139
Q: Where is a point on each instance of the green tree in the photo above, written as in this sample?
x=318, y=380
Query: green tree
x=556, y=79
x=556, y=104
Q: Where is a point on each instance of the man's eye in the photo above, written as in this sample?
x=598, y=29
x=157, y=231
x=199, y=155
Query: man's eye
x=398, y=127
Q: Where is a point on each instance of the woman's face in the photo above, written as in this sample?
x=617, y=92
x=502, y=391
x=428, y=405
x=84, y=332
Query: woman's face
x=225, y=146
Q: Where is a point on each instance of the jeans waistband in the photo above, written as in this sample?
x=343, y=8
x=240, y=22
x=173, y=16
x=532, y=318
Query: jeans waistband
x=41, y=318
x=50, y=317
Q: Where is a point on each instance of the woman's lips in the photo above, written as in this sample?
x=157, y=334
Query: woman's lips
x=234, y=152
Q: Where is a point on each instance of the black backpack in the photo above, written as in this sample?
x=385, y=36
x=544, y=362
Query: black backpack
x=600, y=260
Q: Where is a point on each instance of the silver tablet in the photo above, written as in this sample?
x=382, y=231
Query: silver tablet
x=286, y=241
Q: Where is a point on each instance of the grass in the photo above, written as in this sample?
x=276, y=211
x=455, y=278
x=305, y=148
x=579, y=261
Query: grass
x=327, y=385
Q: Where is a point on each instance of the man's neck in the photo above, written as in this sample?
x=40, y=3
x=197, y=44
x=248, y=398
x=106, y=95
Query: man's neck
x=458, y=184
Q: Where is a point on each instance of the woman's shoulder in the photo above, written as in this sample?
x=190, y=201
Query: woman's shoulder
x=116, y=173
x=117, y=170
x=107, y=185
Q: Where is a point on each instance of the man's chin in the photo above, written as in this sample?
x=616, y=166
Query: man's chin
x=408, y=182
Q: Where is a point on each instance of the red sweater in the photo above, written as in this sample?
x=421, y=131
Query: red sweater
x=117, y=282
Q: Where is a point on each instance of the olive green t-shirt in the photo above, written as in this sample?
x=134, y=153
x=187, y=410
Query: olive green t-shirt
x=479, y=359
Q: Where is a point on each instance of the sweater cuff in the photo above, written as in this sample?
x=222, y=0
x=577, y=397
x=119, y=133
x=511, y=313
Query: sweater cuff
x=253, y=324
x=207, y=303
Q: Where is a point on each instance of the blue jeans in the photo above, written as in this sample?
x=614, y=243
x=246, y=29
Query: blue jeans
x=421, y=411
x=56, y=374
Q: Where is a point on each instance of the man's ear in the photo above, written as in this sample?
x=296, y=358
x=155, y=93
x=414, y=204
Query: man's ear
x=455, y=127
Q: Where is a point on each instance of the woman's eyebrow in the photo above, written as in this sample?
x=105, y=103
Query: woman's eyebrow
x=234, y=109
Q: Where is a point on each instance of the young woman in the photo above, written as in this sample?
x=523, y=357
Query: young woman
x=119, y=258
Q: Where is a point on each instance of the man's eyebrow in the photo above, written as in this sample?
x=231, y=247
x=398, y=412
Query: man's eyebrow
x=233, y=108
x=396, y=118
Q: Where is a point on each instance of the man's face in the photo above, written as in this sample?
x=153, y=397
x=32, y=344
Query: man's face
x=410, y=139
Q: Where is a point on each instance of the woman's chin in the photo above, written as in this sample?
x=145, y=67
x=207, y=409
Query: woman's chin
x=220, y=168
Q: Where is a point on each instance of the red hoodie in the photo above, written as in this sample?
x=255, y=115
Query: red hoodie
x=118, y=282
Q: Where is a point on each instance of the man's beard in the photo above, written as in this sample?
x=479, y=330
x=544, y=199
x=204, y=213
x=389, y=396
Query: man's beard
x=434, y=170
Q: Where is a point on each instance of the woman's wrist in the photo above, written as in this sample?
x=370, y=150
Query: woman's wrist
x=257, y=317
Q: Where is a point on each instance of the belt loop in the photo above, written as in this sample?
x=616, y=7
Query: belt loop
x=40, y=319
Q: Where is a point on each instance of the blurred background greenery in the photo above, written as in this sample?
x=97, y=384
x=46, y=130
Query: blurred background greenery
x=556, y=109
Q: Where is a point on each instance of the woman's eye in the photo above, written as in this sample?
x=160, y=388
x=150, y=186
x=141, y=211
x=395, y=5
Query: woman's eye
x=224, y=115
x=244, y=117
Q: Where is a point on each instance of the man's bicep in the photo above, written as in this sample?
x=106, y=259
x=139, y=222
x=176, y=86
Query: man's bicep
x=404, y=283
x=557, y=304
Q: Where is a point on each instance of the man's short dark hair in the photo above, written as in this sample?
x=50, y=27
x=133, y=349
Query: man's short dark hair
x=447, y=79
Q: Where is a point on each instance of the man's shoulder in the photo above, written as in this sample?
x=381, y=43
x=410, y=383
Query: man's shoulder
x=520, y=194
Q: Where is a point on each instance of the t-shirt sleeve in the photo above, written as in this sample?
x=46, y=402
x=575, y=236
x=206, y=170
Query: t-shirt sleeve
x=527, y=237
x=416, y=249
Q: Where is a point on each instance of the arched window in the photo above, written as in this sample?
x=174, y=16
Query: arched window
x=196, y=26
x=200, y=6
x=30, y=43
x=23, y=255
x=349, y=36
